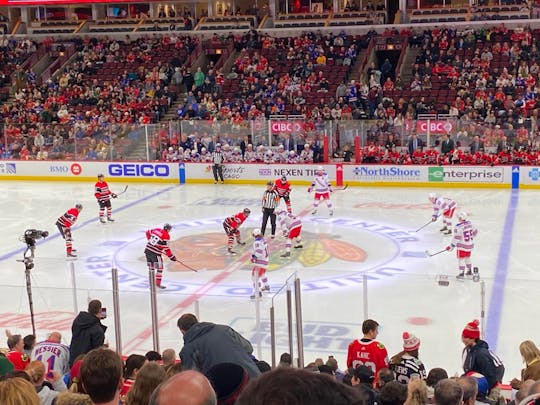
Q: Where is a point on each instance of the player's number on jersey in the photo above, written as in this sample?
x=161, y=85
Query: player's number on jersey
x=467, y=235
x=370, y=364
x=154, y=240
x=50, y=362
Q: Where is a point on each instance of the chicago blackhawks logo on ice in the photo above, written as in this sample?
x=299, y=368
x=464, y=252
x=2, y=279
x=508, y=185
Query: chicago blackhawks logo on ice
x=335, y=253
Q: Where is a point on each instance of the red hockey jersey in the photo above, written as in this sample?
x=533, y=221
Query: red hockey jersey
x=282, y=187
x=158, y=242
x=235, y=221
x=369, y=353
x=69, y=218
x=102, y=191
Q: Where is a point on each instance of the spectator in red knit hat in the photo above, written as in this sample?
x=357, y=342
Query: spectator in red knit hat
x=406, y=364
x=476, y=354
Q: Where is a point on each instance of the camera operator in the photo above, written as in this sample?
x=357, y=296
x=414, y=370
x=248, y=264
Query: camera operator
x=87, y=331
x=64, y=224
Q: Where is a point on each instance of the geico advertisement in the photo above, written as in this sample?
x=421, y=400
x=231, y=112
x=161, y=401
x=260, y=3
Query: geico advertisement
x=232, y=171
x=464, y=174
x=373, y=173
x=158, y=170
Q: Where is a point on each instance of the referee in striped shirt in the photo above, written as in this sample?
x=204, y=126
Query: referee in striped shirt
x=217, y=167
x=270, y=201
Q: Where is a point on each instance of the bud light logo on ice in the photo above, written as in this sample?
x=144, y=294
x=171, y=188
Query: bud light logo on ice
x=389, y=172
x=139, y=170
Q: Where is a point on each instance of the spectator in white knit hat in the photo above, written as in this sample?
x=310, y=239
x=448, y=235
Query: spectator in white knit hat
x=406, y=364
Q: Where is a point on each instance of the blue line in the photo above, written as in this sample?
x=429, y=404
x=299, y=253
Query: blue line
x=87, y=222
x=501, y=271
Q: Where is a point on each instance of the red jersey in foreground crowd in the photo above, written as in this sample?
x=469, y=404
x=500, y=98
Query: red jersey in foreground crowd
x=369, y=353
x=158, y=242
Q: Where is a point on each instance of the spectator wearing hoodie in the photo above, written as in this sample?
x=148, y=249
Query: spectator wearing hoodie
x=207, y=344
x=87, y=331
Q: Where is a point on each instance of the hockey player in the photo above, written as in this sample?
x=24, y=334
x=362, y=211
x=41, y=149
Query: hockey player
x=64, y=224
x=103, y=196
x=446, y=206
x=283, y=188
x=463, y=240
x=259, y=258
x=291, y=226
x=231, y=225
x=158, y=243
x=321, y=185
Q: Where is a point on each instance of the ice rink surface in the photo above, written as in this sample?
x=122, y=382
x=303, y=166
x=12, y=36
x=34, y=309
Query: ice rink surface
x=371, y=237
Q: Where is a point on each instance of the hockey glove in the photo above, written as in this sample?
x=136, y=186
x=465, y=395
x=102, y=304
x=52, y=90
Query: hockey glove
x=173, y=258
x=434, y=218
x=253, y=258
x=450, y=248
x=309, y=189
x=113, y=195
x=331, y=190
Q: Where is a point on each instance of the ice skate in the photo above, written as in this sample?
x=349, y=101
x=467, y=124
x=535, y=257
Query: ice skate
x=231, y=252
x=252, y=296
x=469, y=273
x=102, y=220
x=110, y=219
x=241, y=243
x=444, y=228
x=286, y=254
x=331, y=212
x=160, y=287
x=298, y=246
x=71, y=255
x=447, y=232
x=313, y=212
x=265, y=288
x=273, y=237
x=460, y=276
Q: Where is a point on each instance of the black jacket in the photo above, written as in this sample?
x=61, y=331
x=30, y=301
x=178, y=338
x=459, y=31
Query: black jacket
x=207, y=344
x=87, y=333
x=478, y=358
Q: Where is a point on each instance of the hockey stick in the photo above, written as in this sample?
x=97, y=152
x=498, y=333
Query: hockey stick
x=186, y=266
x=423, y=226
x=436, y=253
x=342, y=188
x=122, y=192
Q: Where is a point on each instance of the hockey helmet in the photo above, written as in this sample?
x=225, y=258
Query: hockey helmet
x=167, y=227
x=432, y=196
x=284, y=178
x=462, y=216
x=270, y=183
x=320, y=169
x=247, y=211
x=78, y=206
x=100, y=176
x=256, y=232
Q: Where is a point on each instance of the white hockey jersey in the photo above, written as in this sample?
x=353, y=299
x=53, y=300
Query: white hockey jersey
x=441, y=205
x=464, y=234
x=260, y=252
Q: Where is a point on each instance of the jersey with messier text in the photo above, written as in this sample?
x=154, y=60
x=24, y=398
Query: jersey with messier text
x=55, y=356
x=369, y=353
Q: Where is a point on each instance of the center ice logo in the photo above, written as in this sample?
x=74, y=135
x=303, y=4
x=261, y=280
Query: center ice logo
x=337, y=252
x=206, y=251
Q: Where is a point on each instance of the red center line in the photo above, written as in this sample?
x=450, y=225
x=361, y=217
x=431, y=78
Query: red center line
x=175, y=311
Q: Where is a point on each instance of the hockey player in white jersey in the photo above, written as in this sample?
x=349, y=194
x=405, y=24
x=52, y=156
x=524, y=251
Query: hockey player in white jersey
x=443, y=206
x=291, y=226
x=322, y=187
x=463, y=241
x=259, y=258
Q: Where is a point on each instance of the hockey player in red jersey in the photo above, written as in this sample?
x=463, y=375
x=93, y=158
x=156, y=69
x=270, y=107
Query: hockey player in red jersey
x=103, y=196
x=445, y=206
x=367, y=351
x=463, y=241
x=158, y=244
x=64, y=224
x=231, y=225
x=283, y=188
